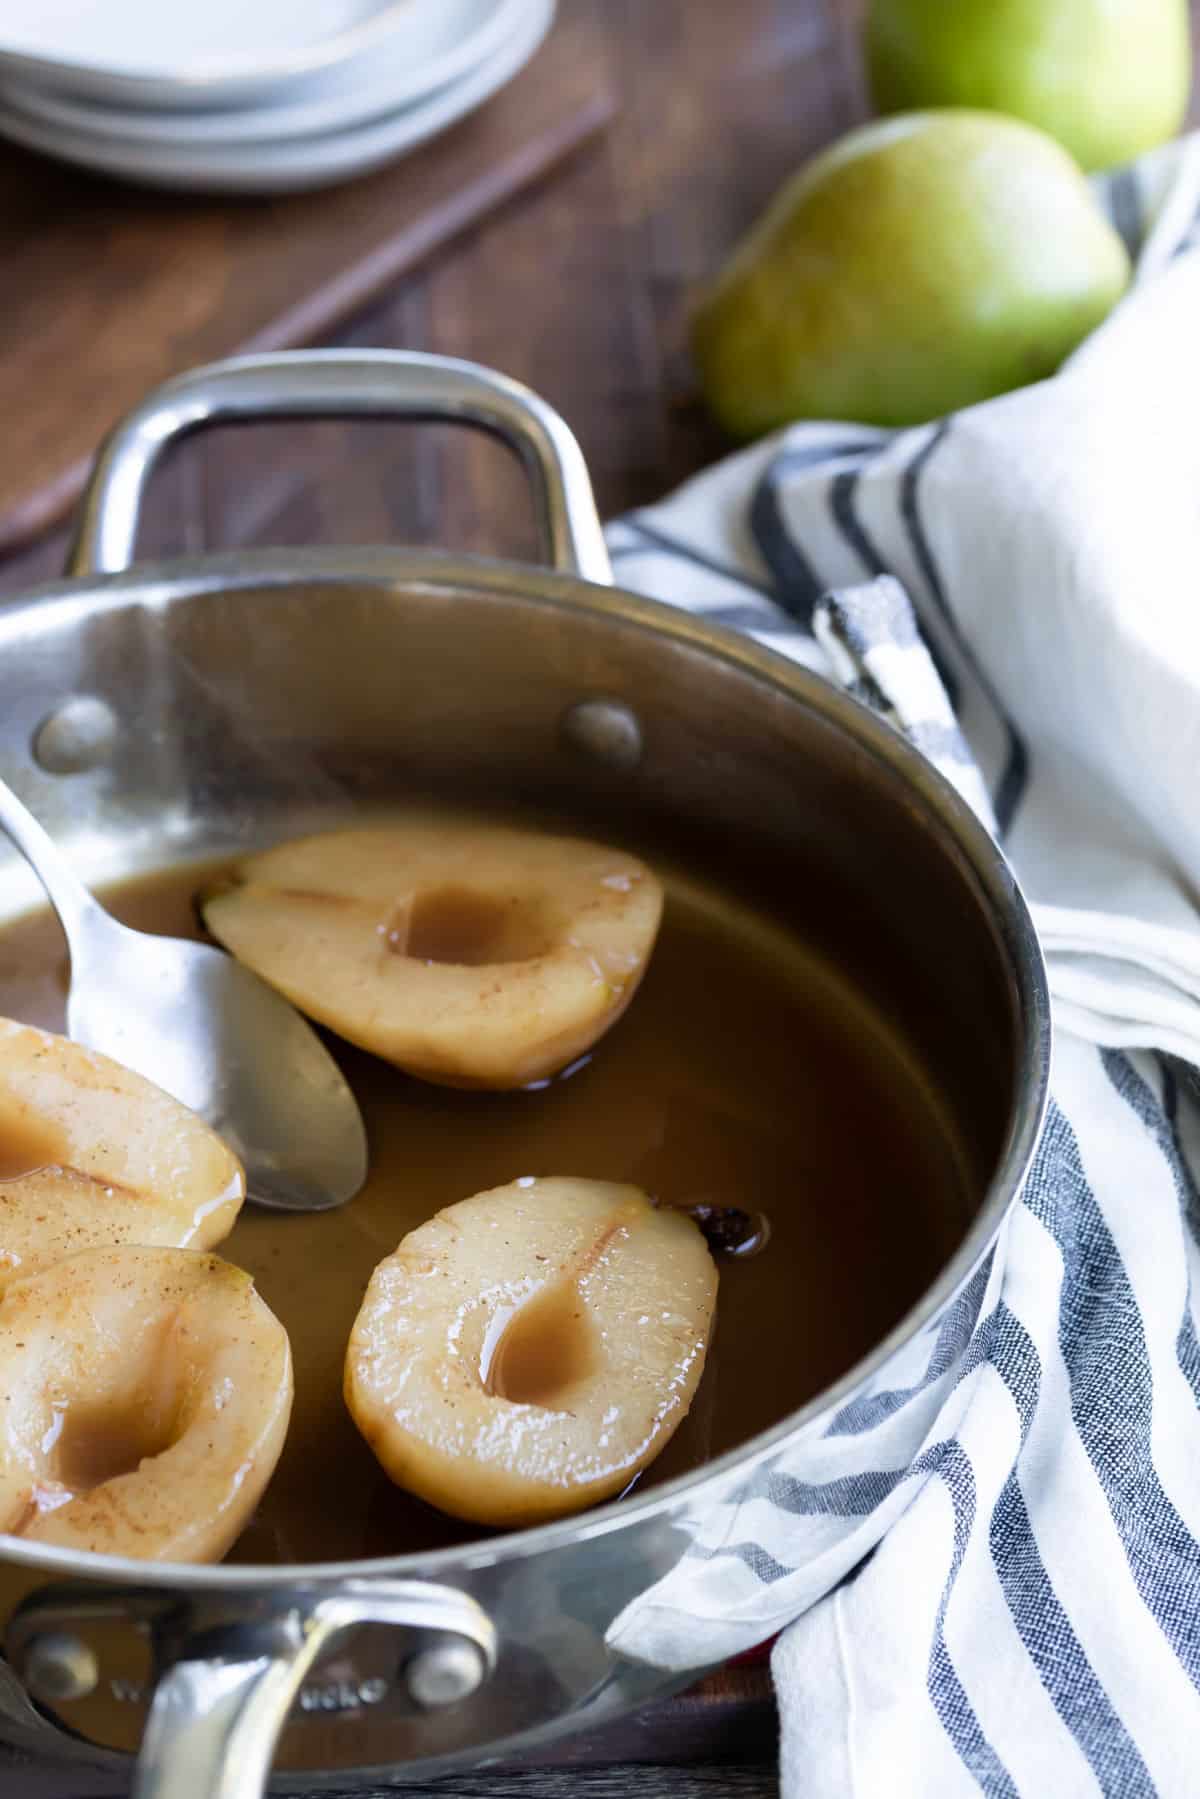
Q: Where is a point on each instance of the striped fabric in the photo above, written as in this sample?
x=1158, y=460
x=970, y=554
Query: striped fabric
x=993, y=1585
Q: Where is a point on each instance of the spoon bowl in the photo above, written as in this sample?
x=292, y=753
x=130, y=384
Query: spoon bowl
x=209, y=1032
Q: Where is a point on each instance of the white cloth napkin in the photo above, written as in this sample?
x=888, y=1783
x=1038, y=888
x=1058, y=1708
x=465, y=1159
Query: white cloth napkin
x=994, y=1585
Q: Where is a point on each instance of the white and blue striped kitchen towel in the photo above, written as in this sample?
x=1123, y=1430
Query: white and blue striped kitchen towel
x=994, y=1584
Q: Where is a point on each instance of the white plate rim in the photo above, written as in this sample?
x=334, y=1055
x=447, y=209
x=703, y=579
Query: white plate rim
x=281, y=119
x=206, y=80
x=302, y=163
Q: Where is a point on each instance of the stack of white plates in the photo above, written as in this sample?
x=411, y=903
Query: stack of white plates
x=251, y=96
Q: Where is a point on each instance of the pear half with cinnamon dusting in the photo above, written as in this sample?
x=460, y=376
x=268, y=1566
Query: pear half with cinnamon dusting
x=471, y=955
x=93, y=1155
x=144, y=1400
x=527, y=1352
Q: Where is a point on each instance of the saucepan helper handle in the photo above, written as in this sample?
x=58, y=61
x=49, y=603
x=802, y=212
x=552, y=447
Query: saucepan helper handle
x=343, y=384
x=224, y=1695
x=213, y=1726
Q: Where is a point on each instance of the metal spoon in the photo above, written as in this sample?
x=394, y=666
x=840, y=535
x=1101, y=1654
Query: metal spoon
x=207, y=1030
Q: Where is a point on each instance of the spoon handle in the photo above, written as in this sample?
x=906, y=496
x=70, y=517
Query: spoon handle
x=75, y=906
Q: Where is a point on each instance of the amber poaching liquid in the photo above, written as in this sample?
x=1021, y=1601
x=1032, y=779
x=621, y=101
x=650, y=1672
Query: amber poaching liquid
x=747, y=1072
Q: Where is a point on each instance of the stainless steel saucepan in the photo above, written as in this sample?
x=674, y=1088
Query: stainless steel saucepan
x=158, y=713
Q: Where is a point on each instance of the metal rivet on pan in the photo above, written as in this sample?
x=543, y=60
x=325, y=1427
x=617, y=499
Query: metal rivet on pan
x=445, y=1673
x=605, y=731
x=57, y=1667
x=77, y=735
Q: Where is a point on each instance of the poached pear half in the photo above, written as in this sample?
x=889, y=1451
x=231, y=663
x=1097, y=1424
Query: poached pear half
x=93, y=1156
x=528, y=1351
x=473, y=955
x=921, y=264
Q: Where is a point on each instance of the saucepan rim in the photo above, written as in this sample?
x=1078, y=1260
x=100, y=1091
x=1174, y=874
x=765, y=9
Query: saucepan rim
x=961, y=835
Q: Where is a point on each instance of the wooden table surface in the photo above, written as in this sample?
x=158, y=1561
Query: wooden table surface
x=581, y=289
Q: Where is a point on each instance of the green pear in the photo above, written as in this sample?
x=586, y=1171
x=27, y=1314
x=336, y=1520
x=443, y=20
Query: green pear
x=919, y=265
x=1108, y=78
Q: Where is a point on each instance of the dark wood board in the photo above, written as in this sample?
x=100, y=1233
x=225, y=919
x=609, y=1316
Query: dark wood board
x=656, y=1781
x=659, y=1780
x=105, y=290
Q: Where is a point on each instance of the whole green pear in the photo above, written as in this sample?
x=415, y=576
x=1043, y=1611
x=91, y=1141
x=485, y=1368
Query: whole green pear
x=1107, y=78
x=920, y=264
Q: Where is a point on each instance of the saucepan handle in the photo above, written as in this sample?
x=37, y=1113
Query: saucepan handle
x=343, y=384
x=214, y=1724
x=224, y=1694
x=228, y=1668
